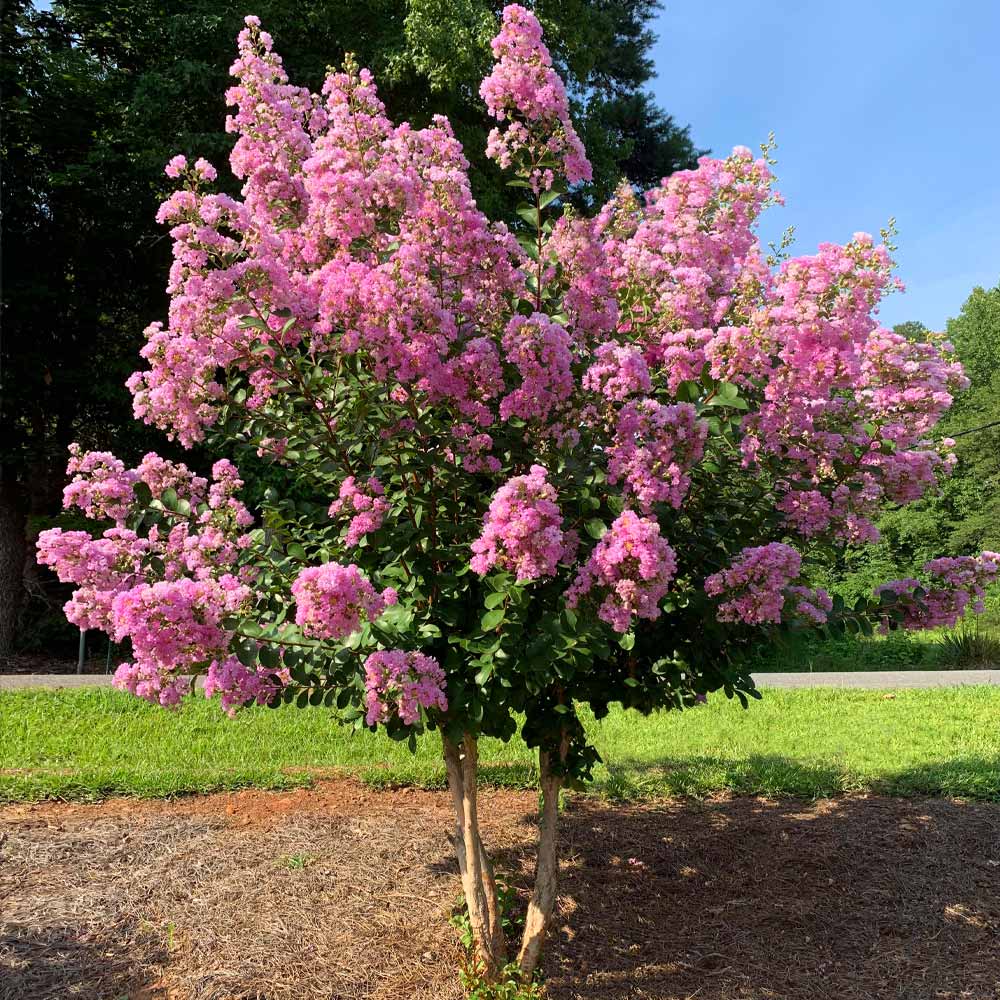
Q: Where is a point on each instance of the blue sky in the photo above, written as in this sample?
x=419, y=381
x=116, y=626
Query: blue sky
x=880, y=108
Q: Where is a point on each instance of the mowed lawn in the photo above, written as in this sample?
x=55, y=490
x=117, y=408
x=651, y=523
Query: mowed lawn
x=91, y=743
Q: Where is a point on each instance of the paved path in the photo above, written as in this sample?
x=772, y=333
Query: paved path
x=845, y=679
x=880, y=679
x=11, y=682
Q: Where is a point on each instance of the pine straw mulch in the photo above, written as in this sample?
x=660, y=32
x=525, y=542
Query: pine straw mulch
x=344, y=892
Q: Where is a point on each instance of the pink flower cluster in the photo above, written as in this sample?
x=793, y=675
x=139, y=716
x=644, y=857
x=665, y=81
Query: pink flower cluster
x=526, y=91
x=811, y=605
x=686, y=258
x=101, y=568
x=168, y=590
x=333, y=601
x=654, y=447
x=522, y=531
x=955, y=584
x=238, y=685
x=754, y=585
x=540, y=350
x=175, y=626
x=629, y=571
x=401, y=682
x=101, y=485
x=618, y=372
x=364, y=508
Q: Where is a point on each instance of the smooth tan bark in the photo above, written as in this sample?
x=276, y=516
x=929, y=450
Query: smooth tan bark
x=478, y=882
x=539, y=916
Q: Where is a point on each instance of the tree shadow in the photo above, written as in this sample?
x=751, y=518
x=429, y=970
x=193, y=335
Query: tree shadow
x=632, y=779
x=57, y=962
x=853, y=897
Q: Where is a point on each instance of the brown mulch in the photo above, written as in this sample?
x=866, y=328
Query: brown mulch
x=344, y=892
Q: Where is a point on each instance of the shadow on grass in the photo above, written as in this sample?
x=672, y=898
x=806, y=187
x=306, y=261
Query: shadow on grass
x=516, y=775
x=758, y=774
x=56, y=962
x=958, y=777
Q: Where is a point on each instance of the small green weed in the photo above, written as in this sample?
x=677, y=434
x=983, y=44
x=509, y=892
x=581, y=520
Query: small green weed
x=510, y=985
x=296, y=862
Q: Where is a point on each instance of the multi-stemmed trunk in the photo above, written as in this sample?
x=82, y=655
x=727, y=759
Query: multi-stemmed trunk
x=478, y=879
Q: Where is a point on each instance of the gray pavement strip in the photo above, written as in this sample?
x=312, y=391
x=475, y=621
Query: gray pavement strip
x=879, y=679
x=876, y=679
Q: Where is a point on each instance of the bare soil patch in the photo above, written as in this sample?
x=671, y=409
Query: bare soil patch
x=343, y=892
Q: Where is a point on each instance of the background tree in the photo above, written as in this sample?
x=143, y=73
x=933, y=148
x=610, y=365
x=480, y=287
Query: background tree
x=97, y=97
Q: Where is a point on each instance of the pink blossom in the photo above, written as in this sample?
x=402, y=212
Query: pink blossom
x=526, y=91
x=755, y=582
x=176, y=166
x=101, y=486
x=540, y=350
x=954, y=585
x=654, y=448
x=629, y=570
x=401, y=682
x=811, y=605
x=239, y=685
x=205, y=171
x=332, y=600
x=522, y=530
x=617, y=372
x=364, y=508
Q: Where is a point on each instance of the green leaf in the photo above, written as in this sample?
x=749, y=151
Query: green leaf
x=246, y=652
x=547, y=197
x=627, y=641
x=494, y=600
x=529, y=214
x=269, y=657
x=169, y=498
x=596, y=528
x=491, y=619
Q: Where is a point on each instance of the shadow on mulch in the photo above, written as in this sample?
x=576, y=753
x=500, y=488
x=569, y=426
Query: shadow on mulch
x=64, y=961
x=344, y=892
x=746, y=898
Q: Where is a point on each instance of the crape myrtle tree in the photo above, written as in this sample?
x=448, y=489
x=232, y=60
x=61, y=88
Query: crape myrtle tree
x=582, y=461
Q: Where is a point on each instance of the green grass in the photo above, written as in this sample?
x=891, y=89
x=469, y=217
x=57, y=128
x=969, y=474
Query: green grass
x=84, y=744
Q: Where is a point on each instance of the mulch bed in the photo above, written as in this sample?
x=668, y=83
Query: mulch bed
x=344, y=892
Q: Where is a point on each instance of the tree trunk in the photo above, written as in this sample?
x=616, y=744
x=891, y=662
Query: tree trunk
x=13, y=548
x=478, y=882
x=543, y=899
